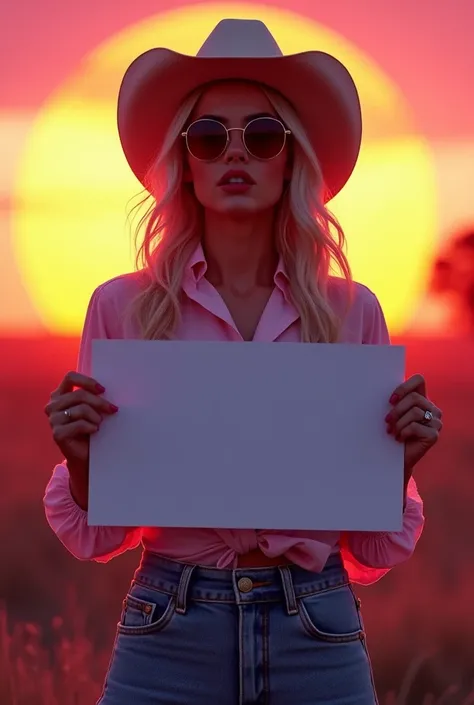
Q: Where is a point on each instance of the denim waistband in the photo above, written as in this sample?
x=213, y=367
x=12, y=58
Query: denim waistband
x=241, y=585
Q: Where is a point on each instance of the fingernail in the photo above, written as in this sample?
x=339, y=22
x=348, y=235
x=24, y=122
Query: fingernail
x=100, y=388
x=394, y=398
x=114, y=408
x=387, y=418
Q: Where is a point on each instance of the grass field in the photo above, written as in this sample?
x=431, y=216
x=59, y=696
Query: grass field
x=58, y=616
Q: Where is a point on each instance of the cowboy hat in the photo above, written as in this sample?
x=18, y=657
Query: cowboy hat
x=318, y=86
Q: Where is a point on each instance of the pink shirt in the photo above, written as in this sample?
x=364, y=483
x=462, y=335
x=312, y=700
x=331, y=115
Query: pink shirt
x=367, y=556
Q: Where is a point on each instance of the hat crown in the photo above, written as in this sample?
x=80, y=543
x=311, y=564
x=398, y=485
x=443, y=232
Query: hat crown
x=240, y=39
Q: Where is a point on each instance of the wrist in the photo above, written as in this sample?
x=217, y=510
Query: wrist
x=78, y=486
x=79, y=498
x=405, y=492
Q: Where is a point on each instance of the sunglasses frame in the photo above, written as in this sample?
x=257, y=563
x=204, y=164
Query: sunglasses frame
x=286, y=132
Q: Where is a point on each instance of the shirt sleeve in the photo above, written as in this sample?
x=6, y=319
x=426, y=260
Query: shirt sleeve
x=69, y=523
x=374, y=330
x=368, y=556
x=65, y=517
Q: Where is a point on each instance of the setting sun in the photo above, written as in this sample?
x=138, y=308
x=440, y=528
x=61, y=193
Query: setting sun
x=74, y=186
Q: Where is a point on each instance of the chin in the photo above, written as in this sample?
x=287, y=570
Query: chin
x=238, y=207
x=234, y=209
x=237, y=213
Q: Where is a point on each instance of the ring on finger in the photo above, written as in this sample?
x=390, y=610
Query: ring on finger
x=427, y=417
x=68, y=414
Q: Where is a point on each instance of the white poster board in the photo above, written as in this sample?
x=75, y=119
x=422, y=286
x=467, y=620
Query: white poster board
x=247, y=435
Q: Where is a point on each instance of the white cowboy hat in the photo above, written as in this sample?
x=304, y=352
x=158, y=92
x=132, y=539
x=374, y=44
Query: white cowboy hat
x=317, y=85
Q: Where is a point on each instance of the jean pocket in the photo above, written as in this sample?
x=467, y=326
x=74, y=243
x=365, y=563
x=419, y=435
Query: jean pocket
x=331, y=615
x=145, y=610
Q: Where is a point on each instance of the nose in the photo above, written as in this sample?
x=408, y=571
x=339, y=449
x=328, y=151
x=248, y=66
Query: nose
x=236, y=150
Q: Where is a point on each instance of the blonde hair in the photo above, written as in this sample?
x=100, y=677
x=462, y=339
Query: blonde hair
x=307, y=236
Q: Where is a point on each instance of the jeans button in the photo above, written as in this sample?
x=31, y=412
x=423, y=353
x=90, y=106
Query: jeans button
x=245, y=585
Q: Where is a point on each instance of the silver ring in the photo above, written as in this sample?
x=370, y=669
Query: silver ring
x=428, y=417
x=67, y=414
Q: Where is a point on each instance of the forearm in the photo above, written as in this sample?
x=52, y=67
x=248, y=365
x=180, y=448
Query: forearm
x=79, y=485
x=405, y=491
x=389, y=548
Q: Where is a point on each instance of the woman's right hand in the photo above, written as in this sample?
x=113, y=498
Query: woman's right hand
x=75, y=411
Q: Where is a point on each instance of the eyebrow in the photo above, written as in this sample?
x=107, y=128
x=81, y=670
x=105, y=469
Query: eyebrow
x=225, y=121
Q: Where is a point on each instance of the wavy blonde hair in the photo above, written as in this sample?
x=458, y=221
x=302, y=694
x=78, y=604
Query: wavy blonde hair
x=307, y=236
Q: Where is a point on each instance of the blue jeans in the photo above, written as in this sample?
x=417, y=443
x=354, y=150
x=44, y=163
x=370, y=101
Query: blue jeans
x=190, y=635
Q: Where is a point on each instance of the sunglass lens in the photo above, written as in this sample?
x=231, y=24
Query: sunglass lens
x=265, y=138
x=206, y=139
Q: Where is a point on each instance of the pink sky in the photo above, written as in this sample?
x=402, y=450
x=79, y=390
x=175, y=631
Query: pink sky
x=425, y=46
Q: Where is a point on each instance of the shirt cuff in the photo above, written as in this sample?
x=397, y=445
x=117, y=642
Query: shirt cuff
x=69, y=523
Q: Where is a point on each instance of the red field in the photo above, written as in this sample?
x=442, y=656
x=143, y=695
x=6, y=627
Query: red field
x=58, y=616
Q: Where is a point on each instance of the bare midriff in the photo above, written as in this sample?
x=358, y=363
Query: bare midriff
x=257, y=559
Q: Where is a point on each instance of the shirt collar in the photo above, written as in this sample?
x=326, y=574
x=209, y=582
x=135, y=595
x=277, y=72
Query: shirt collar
x=197, y=267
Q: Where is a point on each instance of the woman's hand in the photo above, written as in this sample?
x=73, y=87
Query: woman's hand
x=75, y=411
x=414, y=420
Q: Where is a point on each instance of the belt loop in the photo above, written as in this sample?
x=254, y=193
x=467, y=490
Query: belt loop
x=184, y=579
x=288, y=589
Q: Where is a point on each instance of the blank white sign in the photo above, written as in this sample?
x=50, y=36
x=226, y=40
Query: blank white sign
x=247, y=435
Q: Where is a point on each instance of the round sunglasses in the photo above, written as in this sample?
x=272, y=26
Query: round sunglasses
x=263, y=137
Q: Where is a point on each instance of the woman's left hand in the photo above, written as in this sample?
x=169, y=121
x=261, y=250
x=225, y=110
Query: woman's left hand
x=414, y=420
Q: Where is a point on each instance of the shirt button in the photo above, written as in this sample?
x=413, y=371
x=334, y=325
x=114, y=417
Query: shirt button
x=245, y=585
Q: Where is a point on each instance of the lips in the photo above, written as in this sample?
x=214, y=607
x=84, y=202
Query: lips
x=236, y=176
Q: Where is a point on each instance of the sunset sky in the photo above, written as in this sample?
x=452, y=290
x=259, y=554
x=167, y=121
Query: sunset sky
x=64, y=184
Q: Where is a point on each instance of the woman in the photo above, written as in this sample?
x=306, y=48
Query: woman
x=237, y=247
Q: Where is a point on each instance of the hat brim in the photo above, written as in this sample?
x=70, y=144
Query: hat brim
x=317, y=85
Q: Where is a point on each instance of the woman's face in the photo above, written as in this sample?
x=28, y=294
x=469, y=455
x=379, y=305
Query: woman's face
x=234, y=105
